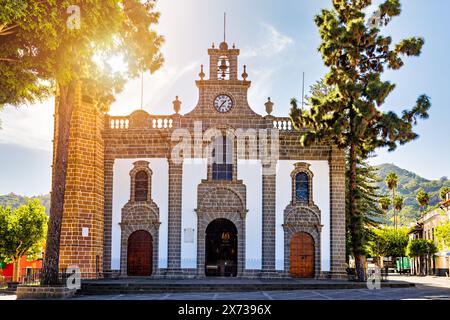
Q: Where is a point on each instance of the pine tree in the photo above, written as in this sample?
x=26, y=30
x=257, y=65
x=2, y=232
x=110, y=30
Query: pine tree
x=349, y=116
x=372, y=213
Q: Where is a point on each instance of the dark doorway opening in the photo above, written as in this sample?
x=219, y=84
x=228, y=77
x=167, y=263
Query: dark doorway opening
x=140, y=254
x=221, y=249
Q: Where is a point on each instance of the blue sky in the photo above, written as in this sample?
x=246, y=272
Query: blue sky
x=278, y=41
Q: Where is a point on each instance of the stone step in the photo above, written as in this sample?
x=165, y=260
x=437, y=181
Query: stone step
x=133, y=287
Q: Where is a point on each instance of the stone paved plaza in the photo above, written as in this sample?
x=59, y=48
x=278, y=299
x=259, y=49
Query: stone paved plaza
x=427, y=288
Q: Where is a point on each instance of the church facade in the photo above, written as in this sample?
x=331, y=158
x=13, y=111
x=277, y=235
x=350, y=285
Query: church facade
x=219, y=191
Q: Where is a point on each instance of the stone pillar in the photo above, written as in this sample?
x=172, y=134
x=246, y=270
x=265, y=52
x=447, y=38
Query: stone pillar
x=337, y=205
x=107, y=242
x=174, y=219
x=213, y=64
x=233, y=67
x=83, y=215
x=268, y=220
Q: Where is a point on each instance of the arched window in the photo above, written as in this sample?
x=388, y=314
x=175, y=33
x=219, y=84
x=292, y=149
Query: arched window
x=141, y=186
x=222, y=167
x=302, y=187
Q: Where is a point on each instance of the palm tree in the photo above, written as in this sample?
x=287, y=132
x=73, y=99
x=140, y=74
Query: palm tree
x=423, y=199
x=385, y=203
x=392, y=181
x=398, y=206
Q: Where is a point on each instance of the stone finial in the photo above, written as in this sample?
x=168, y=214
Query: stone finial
x=223, y=46
x=244, y=74
x=269, y=106
x=176, y=105
x=201, y=74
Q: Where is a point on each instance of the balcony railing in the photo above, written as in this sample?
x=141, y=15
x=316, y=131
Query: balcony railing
x=153, y=122
x=283, y=124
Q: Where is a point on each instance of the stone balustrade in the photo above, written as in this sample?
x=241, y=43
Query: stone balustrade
x=119, y=122
x=130, y=122
x=162, y=123
x=283, y=124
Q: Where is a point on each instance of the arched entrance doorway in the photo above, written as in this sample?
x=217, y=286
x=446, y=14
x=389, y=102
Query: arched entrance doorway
x=221, y=249
x=302, y=255
x=140, y=254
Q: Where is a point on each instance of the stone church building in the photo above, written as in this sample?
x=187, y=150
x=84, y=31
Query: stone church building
x=218, y=191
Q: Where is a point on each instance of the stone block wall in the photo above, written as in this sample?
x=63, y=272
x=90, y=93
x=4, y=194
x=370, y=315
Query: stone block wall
x=84, y=195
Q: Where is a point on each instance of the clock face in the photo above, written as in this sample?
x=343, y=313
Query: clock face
x=223, y=103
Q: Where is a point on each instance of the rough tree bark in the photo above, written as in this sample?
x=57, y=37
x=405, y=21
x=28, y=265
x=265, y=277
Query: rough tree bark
x=356, y=221
x=66, y=101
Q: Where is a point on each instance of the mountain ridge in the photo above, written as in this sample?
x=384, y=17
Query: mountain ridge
x=409, y=184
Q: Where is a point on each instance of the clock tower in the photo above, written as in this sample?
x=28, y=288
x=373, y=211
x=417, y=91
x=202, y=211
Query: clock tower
x=224, y=94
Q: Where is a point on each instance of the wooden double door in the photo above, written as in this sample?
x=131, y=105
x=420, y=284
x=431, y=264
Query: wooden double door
x=302, y=256
x=140, y=254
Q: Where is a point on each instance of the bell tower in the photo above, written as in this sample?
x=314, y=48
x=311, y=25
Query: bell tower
x=224, y=94
x=223, y=62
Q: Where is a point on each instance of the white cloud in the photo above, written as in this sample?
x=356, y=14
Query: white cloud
x=274, y=43
x=28, y=126
x=157, y=88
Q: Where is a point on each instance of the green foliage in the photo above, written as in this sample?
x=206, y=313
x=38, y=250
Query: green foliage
x=443, y=192
x=385, y=203
x=388, y=242
x=422, y=198
x=409, y=184
x=319, y=89
x=349, y=115
x=368, y=195
x=392, y=181
x=420, y=248
x=442, y=233
x=357, y=56
x=368, y=202
x=14, y=201
x=398, y=203
x=22, y=230
x=43, y=50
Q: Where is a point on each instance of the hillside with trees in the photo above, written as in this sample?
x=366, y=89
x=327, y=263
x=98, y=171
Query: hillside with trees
x=14, y=200
x=409, y=185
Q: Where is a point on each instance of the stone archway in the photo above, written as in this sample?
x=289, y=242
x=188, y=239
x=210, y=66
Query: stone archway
x=221, y=248
x=219, y=202
x=140, y=254
x=303, y=220
x=302, y=255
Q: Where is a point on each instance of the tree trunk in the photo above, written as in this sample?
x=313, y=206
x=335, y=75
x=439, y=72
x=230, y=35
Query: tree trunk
x=395, y=210
x=422, y=266
x=356, y=223
x=16, y=270
x=415, y=266
x=66, y=103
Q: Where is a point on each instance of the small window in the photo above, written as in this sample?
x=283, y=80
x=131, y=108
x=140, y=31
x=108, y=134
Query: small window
x=141, y=186
x=302, y=187
x=222, y=167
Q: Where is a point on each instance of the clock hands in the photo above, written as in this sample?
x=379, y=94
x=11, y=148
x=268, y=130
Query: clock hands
x=222, y=104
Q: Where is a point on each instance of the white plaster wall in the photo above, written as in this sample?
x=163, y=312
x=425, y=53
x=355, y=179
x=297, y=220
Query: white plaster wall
x=121, y=195
x=250, y=171
x=321, y=197
x=194, y=170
